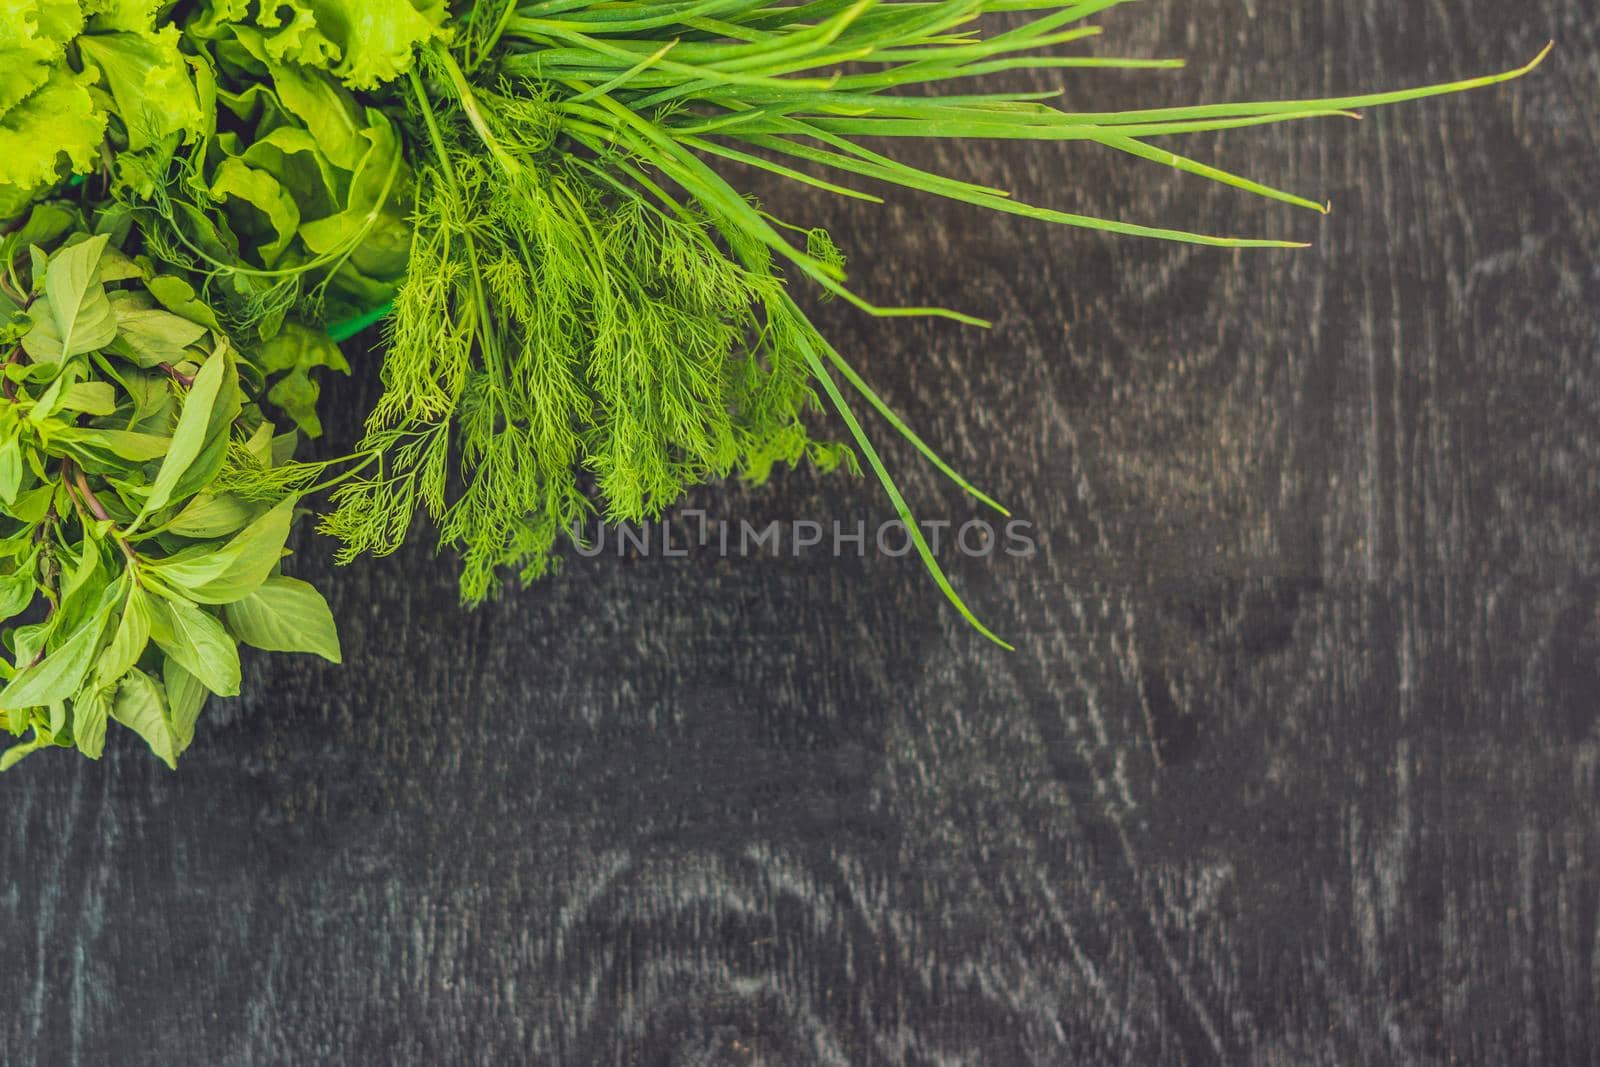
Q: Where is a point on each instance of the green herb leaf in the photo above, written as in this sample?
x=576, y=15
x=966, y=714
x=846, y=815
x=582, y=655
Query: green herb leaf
x=17, y=592
x=141, y=706
x=10, y=469
x=129, y=640
x=364, y=42
x=130, y=445
x=74, y=316
x=16, y=753
x=59, y=674
x=190, y=436
x=148, y=75
x=156, y=337
x=285, y=615
x=197, y=642
x=222, y=574
x=186, y=698
x=180, y=298
x=89, y=712
x=90, y=398
x=236, y=179
x=58, y=118
x=212, y=515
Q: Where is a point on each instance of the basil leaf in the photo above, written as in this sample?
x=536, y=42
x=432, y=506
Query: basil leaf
x=46, y=225
x=141, y=706
x=128, y=444
x=91, y=398
x=155, y=337
x=17, y=592
x=59, y=674
x=229, y=404
x=78, y=315
x=180, y=298
x=213, y=574
x=116, y=266
x=10, y=469
x=32, y=505
x=212, y=515
x=89, y=711
x=129, y=641
x=186, y=697
x=196, y=642
x=190, y=436
x=15, y=754
x=285, y=615
x=150, y=392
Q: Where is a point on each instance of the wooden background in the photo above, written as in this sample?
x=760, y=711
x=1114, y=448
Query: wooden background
x=1296, y=762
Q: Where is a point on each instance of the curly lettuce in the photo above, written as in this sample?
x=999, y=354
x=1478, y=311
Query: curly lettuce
x=363, y=43
x=59, y=119
x=33, y=42
x=290, y=211
x=74, y=73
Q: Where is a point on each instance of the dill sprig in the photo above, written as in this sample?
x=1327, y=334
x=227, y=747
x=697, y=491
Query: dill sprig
x=554, y=326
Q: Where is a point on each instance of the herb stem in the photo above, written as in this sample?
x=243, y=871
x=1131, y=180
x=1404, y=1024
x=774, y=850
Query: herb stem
x=185, y=380
x=9, y=387
x=74, y=479
x=483, y=321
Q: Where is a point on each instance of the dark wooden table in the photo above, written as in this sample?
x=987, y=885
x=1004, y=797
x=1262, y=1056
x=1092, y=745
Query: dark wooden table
x=1296, y=763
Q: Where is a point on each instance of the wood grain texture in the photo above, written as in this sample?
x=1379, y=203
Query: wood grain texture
x=1296, y=763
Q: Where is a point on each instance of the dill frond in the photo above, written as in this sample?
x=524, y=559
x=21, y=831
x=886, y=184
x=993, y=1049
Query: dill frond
x=562, y=345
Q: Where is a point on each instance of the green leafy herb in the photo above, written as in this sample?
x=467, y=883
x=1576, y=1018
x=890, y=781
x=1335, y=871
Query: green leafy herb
x=119, y=424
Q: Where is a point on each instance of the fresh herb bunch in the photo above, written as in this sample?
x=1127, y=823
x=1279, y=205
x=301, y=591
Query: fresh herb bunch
x=553, y=324
x=201, y=198
x=588, y=294
x=141, y=525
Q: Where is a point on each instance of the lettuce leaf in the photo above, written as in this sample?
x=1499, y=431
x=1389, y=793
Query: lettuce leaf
x=364, y=43
x=33, y=39
x=150, y=81
x=58, y=101
x=59, y=118
x=128, y=16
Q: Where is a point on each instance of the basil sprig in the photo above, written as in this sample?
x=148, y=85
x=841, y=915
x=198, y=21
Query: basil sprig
x=141, y=527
